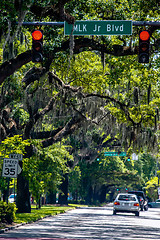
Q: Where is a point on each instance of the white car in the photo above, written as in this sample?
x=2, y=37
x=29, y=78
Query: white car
x=125, y=202
x=12, y=198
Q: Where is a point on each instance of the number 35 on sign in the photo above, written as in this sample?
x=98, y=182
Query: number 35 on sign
x=10, y=167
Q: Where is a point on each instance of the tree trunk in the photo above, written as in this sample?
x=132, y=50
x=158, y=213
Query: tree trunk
x=23, y=195
x=23, y=200
x=102, y=197
x=64, y=191
x=111, y=196
x=89, y=195
x=51, y=198
x=95, y=195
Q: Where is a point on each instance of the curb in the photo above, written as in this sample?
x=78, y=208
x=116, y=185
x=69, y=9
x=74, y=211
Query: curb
x=12, y=227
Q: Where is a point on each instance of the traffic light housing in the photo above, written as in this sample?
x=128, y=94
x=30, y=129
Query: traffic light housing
x=37, y=46
x=144, y=45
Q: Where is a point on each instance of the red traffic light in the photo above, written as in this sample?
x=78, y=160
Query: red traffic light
x=144, y=46
x=144, y=35
x=37, y=46
x=37, y=35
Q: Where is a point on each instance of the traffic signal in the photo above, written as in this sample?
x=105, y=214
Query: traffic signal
x=144, y=45
x=37, y=45
x=98, y=157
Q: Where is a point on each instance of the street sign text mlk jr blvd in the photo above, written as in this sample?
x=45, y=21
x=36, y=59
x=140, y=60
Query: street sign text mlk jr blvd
x=115, y=27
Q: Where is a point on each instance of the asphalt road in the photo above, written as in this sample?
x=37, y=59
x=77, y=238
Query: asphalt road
x=91, y=223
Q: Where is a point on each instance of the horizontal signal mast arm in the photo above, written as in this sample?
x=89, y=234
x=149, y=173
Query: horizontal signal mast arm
x=134, y=23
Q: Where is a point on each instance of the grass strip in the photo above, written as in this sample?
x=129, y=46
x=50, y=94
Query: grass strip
x=36, y=214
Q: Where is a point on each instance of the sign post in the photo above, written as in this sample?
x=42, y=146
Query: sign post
x=113, y=27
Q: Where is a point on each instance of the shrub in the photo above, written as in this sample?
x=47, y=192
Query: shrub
x=7, y=212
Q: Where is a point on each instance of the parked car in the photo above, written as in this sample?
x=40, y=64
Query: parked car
x=125, y=202
x=143, y=201
x=155, y=204
x=12, y=198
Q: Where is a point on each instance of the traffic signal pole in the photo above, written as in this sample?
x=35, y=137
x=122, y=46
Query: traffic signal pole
x=134, y=23
x=43, y=23
x=146, y=23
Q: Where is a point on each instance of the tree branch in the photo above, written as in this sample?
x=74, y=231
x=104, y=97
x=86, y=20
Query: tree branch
x=32, y=75
x=61, y=83
x=57, y=11
x=45, y=134
x=33, y=119
x=9, y=67
x=66, y=130
x=123, y=106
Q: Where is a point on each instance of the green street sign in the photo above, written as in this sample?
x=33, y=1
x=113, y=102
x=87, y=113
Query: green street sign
x=113, y=154
x=114, y=27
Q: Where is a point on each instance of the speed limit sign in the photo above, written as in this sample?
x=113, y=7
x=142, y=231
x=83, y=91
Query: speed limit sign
x=10, y=167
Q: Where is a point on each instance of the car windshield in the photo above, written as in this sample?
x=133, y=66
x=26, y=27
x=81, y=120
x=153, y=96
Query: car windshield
x=138, y=193
x=127, y=198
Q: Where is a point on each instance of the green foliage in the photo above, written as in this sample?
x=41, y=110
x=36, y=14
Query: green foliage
x=108, y=171
x=46, y=168
x=146, y=166
x=7, y=212
x=88, y=72
x=75, y=182
x=20, y=115
x=13, y=144
x=152, y=188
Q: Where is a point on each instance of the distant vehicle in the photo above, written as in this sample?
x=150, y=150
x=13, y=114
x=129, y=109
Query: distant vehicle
x=142, y=199
x=125, y=202
x=155, y=204
x=12, y=198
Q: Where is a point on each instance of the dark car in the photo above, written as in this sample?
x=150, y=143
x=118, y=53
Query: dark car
x=143, y=201
x=155, y=204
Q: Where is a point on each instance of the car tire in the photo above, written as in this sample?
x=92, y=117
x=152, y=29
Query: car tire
x=137, y=214
x=114, y=212
x=146, y=208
